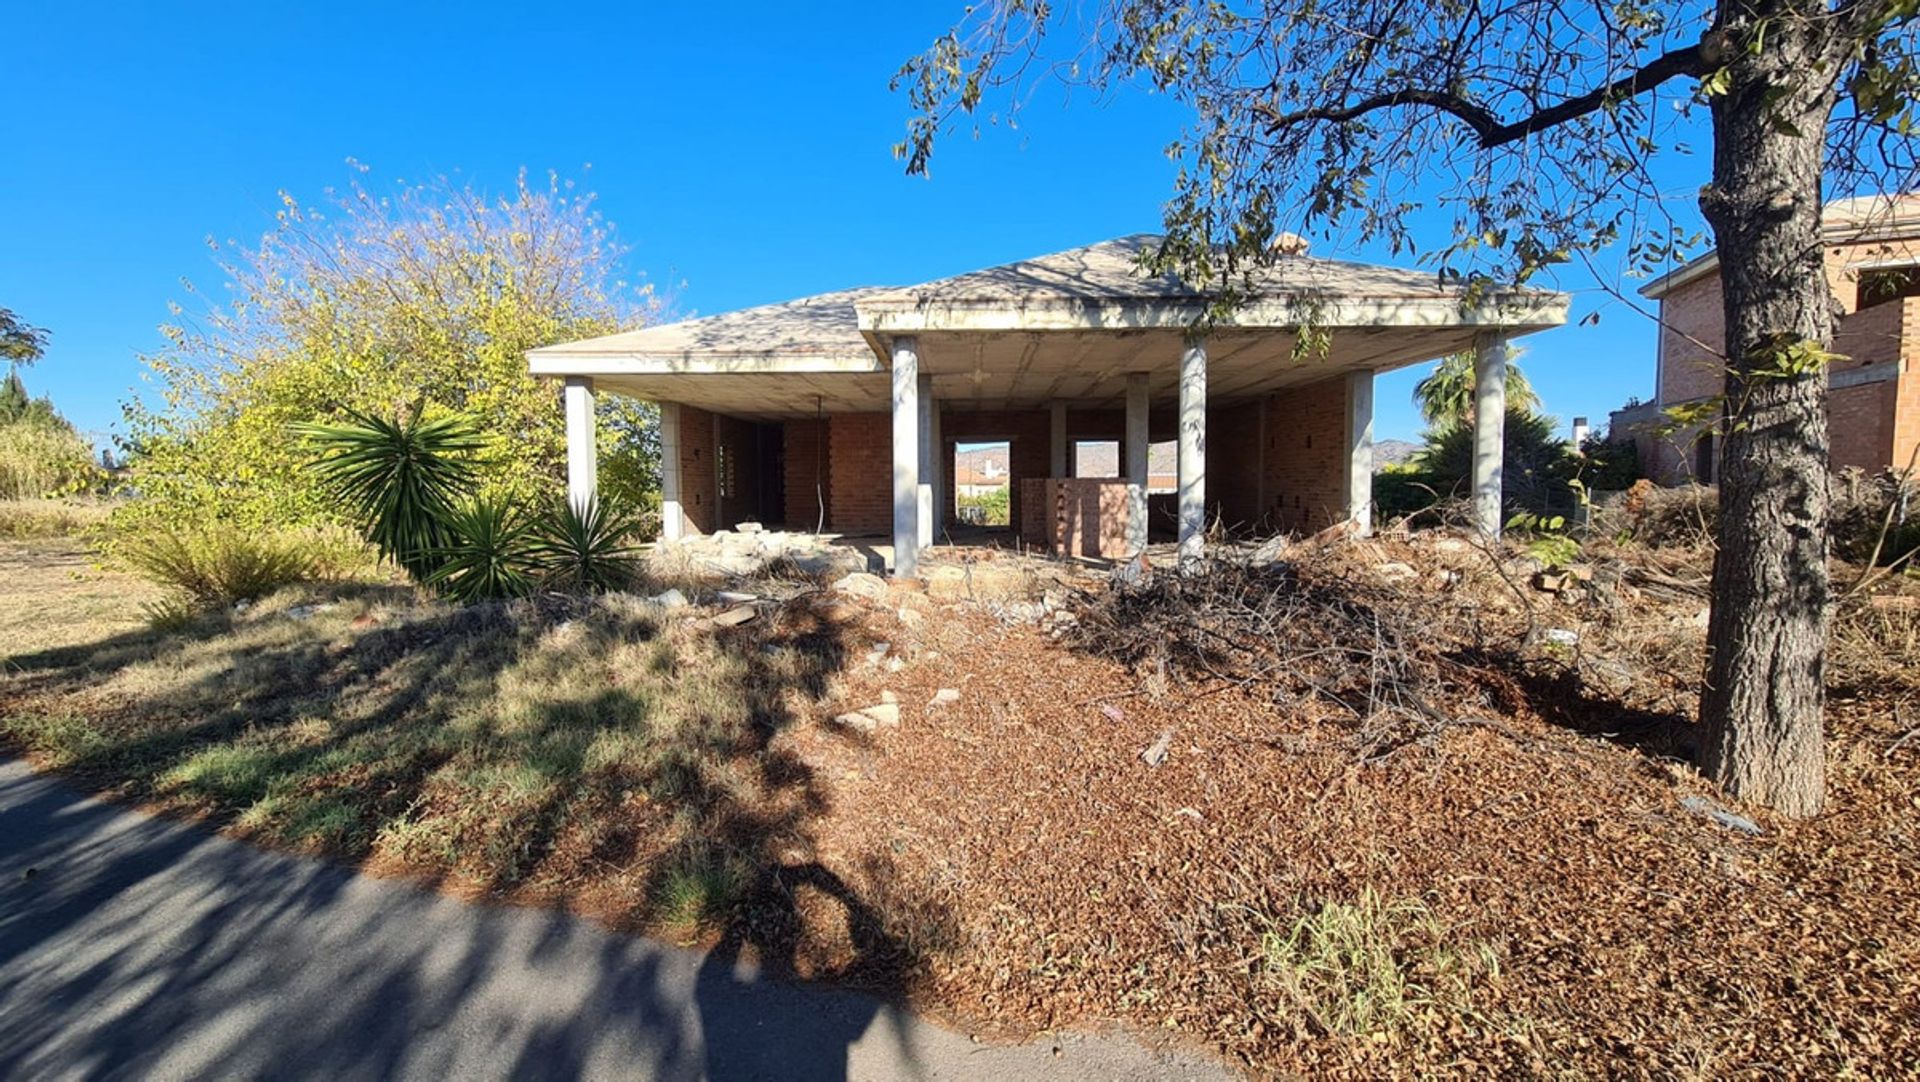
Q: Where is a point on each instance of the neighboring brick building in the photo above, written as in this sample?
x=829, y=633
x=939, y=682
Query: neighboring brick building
x=843, y=411
x=1873, y=401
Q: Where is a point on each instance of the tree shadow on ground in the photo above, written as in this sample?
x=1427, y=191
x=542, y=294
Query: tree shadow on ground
x=554, y=750
x=1561, y=697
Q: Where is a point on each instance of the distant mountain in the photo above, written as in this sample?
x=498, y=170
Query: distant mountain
x=1393, y=452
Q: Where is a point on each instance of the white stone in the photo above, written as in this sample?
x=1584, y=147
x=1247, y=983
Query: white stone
x=861, y=584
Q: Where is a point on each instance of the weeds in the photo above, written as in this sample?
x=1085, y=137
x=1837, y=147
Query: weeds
x=1371, y=965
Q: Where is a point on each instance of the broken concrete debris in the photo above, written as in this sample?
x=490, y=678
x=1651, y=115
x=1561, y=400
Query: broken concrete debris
x=862, y=585
x=870, y=719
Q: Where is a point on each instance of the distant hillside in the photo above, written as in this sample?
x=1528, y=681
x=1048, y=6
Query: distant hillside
x=1393, y=452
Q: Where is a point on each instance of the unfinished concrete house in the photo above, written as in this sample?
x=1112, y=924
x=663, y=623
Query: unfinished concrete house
x=841, y=412
x=1872, y=257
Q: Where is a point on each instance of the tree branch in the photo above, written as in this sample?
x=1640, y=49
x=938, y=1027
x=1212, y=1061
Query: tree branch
x=1488, y=128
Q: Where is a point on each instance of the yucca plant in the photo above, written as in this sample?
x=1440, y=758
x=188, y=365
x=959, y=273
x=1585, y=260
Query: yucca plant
x=402, y=479
x=586, y=547
x=488, y=557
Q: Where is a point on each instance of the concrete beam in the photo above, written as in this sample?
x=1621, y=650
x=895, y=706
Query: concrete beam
x=1489, y=432
x=1136, y=444
x=1193, y=452
x=924, y=509
x=672, y=520
x=583, y=456
x=1360, y=453
x=906, y=457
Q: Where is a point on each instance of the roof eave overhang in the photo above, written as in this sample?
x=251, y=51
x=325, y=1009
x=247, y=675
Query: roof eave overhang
x=544, y=362
x=1517, y=311
x=1830, y=233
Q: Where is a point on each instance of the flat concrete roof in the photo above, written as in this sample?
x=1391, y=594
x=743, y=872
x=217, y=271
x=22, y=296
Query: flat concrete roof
x=1062, y=327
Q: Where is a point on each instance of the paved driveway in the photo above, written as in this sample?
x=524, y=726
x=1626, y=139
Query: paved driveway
x=136, y=947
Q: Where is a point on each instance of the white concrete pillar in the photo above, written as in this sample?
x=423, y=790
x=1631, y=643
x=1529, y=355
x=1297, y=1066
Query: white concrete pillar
x=924, y=510
x=1136, y=444
x=1057, y=464
x=583, y=456
x=1360, y=453
x=673, y=522
x=906, y=457
x=1489, y=431
x=1193, y=451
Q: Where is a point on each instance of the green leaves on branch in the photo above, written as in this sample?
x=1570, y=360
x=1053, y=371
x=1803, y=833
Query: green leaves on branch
x=401, y=479
x=1788, y=356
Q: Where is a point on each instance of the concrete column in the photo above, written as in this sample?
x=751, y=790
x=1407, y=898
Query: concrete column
x=1057, y=465
x=1193, y=451
x=906, y=457
x=583, y=456
x=1136, y=444
x=1489, y=431
x=924, y=510
x=672, y=520
x=1360, y=453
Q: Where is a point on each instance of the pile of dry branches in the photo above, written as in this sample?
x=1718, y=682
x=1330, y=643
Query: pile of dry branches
x=1317, y=634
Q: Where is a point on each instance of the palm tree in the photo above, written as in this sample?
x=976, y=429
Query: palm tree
x=1445, y=397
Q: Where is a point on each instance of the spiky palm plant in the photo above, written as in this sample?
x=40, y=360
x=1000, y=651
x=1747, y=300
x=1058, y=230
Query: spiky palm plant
x=401, y=479
x=488, y=557
x=587, y=548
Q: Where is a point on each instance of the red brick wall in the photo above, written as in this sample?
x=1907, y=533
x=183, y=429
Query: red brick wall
x=1859, y=423
x=696, y=469
x=1234, y=465
x=1029, y=453
x=1906, y=416
x=860, y=473
x=806, y=465
x=1691, y=340
x=1306, y=459
x=1904, y=425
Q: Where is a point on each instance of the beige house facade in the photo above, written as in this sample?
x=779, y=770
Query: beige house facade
x=1872, y=258
x=841, y=412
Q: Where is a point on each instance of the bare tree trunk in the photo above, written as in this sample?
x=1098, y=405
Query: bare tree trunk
x=1766, y=642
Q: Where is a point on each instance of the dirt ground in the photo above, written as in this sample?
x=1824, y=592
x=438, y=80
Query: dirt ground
x=1451, y=831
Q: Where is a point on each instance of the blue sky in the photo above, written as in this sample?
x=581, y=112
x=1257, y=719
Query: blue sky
x=742, y=149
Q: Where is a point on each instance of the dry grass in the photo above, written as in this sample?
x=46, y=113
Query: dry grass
x=606, y=752
x=27, y=519
x=1510, y=885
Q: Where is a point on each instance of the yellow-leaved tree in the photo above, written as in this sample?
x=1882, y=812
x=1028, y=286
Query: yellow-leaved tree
x=425, y=299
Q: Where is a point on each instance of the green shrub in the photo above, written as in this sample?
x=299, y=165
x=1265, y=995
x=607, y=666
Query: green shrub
x=1610, y=465
x=422, y=293
x=1538, y=465
x=217, y=567
x=1400, y=490
x=587, y=548
x=490, y=556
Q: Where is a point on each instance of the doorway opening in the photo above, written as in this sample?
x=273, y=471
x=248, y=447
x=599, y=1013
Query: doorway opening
x=982, y=484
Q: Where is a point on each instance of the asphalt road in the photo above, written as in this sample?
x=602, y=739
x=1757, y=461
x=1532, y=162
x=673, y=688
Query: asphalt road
x=137, y=947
